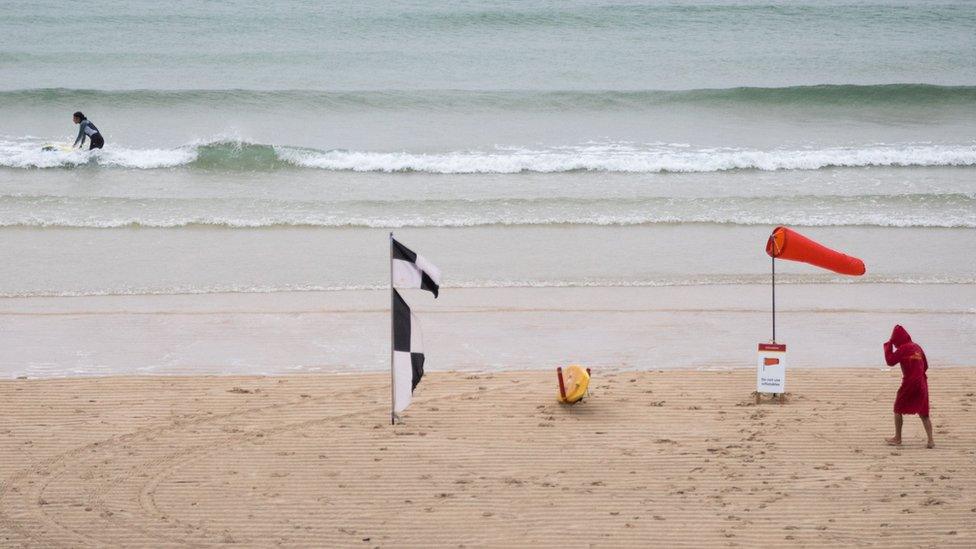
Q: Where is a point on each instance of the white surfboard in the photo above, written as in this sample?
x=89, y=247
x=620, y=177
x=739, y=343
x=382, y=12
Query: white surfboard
x=57, y=147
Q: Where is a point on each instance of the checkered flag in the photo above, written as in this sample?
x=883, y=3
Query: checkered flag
x=412, y=270
x=408, y=353
x=407, y=270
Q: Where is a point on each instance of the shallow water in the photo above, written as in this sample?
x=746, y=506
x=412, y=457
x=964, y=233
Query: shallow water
x=266, y=148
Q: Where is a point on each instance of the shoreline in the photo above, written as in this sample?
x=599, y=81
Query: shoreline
x=684, y=458
x=499, y=329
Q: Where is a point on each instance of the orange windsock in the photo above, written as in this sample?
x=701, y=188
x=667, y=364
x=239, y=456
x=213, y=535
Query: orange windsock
x=788, y=244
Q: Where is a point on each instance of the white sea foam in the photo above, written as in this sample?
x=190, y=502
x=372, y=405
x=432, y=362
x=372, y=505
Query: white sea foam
x=395, y=222
x=144, y=159
x=632, y=159
x=611, y=157
x=31, y=154
x=953, y=210
x=703, y=280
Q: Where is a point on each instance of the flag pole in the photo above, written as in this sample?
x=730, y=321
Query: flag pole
x=392, y=374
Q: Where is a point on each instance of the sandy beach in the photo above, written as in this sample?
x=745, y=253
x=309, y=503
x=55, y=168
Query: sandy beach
x=675, y=458
x=233, y=232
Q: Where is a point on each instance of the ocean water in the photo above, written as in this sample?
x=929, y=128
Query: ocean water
x=263, y=147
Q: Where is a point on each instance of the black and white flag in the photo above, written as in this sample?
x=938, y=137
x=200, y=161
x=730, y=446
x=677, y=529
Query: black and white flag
x=408, y=353
x=412, y=270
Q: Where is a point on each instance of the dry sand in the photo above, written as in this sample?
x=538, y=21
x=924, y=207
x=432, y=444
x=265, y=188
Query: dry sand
x=676, y=458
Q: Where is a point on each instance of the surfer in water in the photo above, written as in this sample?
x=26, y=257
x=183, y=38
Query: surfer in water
x=87, y=129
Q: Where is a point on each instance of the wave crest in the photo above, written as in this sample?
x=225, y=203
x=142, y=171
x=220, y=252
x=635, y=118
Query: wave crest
x=600, y=157
x=548, y=100
x=955, y=210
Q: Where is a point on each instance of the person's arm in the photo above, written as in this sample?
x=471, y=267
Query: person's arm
x=81, y=135
x=891, y=357
x=894, y=356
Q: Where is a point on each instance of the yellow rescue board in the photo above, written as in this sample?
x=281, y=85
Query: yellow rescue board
x=575, y=381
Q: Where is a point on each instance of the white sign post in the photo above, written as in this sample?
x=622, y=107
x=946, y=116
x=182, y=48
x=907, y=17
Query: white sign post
x=771, y=370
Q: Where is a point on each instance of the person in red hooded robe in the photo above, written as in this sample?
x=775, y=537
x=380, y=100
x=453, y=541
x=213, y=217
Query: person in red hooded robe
x=913, y=395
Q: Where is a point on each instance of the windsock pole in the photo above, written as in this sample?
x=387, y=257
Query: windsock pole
x=773, y=259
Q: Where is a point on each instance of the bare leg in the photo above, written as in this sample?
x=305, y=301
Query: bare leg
x=927, y=423
x=896, y=440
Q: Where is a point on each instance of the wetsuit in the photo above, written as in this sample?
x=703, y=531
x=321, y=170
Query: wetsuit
x=87, y=129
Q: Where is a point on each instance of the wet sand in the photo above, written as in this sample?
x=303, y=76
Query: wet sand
x=672, y=458
x=496, y=329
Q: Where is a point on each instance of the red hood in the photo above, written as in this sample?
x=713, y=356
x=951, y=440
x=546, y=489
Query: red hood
x=899, y=336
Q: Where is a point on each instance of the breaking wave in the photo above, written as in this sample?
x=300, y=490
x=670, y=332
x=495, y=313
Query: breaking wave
x=595, y=157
